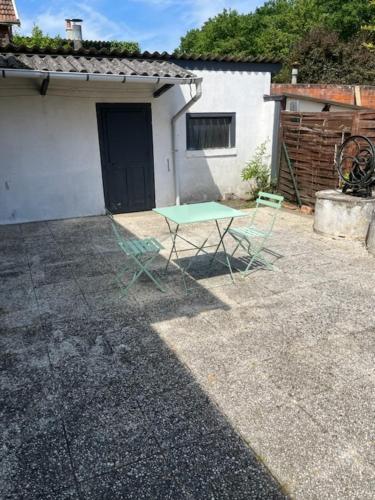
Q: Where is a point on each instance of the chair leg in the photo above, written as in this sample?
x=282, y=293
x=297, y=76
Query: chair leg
x=248, y=267
x=241, y=242
x=119, y=276
x=143, y=266
x=245, y=244
x=236, y=248
x=257, y=256
x=136, y=275
x=155, y=280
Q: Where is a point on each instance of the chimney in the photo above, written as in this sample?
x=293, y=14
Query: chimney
x=295, y=73
x=73, y=30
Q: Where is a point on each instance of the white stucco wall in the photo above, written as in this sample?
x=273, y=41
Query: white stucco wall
x=50, y=160
x=48, y=171
x=211, y=174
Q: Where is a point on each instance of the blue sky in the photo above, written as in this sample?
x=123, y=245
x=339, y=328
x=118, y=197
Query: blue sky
x=155, y=24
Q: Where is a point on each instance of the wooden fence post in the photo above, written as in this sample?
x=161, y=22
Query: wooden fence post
x=355, y=123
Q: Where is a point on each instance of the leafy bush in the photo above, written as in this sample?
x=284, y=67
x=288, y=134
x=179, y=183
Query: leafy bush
x=40, y=39
x=257, y=171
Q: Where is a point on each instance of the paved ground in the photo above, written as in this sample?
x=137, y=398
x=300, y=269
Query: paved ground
x=246, y=391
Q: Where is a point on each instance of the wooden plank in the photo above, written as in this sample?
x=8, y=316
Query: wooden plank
x=312, y=140
x=366, y=123
x=355, y=126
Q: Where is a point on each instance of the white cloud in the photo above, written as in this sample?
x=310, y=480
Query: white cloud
x=96, y=26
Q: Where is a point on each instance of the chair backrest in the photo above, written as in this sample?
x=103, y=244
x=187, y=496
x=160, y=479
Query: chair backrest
x=272, y=201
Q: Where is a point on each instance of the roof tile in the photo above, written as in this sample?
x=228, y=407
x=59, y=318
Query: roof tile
x=103, y=65
x=110, y=62
x=8, y=12
x=163, y=56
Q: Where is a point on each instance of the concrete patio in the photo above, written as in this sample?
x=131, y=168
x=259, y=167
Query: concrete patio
x=262, y=389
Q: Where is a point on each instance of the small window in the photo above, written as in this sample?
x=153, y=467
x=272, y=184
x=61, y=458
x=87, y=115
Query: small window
x=210, y=130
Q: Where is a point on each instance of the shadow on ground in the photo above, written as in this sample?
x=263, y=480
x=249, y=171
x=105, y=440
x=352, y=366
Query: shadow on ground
x=94, y=405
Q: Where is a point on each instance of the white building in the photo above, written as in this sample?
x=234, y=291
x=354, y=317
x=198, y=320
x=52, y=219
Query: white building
x=82, y=130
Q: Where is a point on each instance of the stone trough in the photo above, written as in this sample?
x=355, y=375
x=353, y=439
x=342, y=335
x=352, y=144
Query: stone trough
x=339, y=215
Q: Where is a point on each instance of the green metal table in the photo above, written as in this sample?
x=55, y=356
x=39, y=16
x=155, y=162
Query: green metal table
x=179, y=215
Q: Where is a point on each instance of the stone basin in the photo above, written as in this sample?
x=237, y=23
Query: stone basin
x=340, y=215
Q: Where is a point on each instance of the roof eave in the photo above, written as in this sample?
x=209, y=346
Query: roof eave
x=29, y=73
x=10, y=23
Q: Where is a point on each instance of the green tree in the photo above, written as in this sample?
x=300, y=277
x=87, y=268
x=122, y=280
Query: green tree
x=327, y=59
x=346, y=17
x=333, y=40
x=222, y=34
x=369, y=30
x=277, y=25
x=320, y=54
x=270, y=31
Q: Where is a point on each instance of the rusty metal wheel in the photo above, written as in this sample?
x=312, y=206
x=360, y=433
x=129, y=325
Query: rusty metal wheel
x=355, y=162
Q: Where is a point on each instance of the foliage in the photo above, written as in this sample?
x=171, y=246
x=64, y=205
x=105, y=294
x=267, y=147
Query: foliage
x=346, y=17
x=369, y=30
x=333, y=40
x=119, y=45
x=270, y=31
x=257, y=171
x=327, y=59
x=220, y=35
x=40, y=39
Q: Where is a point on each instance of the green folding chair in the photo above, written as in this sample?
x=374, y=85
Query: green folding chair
x=252, y=238
x=140, y=253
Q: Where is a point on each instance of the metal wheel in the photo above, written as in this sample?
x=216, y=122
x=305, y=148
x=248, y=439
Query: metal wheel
x=355, y=161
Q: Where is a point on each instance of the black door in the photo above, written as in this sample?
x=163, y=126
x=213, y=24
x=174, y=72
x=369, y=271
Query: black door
x=125, y=136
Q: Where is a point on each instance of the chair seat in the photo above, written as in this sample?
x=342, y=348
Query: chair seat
x=248, y=232
x=141, y=247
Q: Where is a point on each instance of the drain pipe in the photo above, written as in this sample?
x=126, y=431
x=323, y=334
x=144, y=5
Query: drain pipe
x=176, y=171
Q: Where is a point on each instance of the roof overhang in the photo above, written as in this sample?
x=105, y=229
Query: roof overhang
x=11, y=23
x=102, y=77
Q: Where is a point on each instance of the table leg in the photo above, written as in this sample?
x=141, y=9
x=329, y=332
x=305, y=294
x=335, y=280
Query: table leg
x=173, y=235
x=221, y=243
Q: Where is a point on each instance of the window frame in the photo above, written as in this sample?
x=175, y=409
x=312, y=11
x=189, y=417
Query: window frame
x=232, y=129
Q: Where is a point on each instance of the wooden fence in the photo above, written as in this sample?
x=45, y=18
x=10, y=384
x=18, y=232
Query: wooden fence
x=311, y=140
